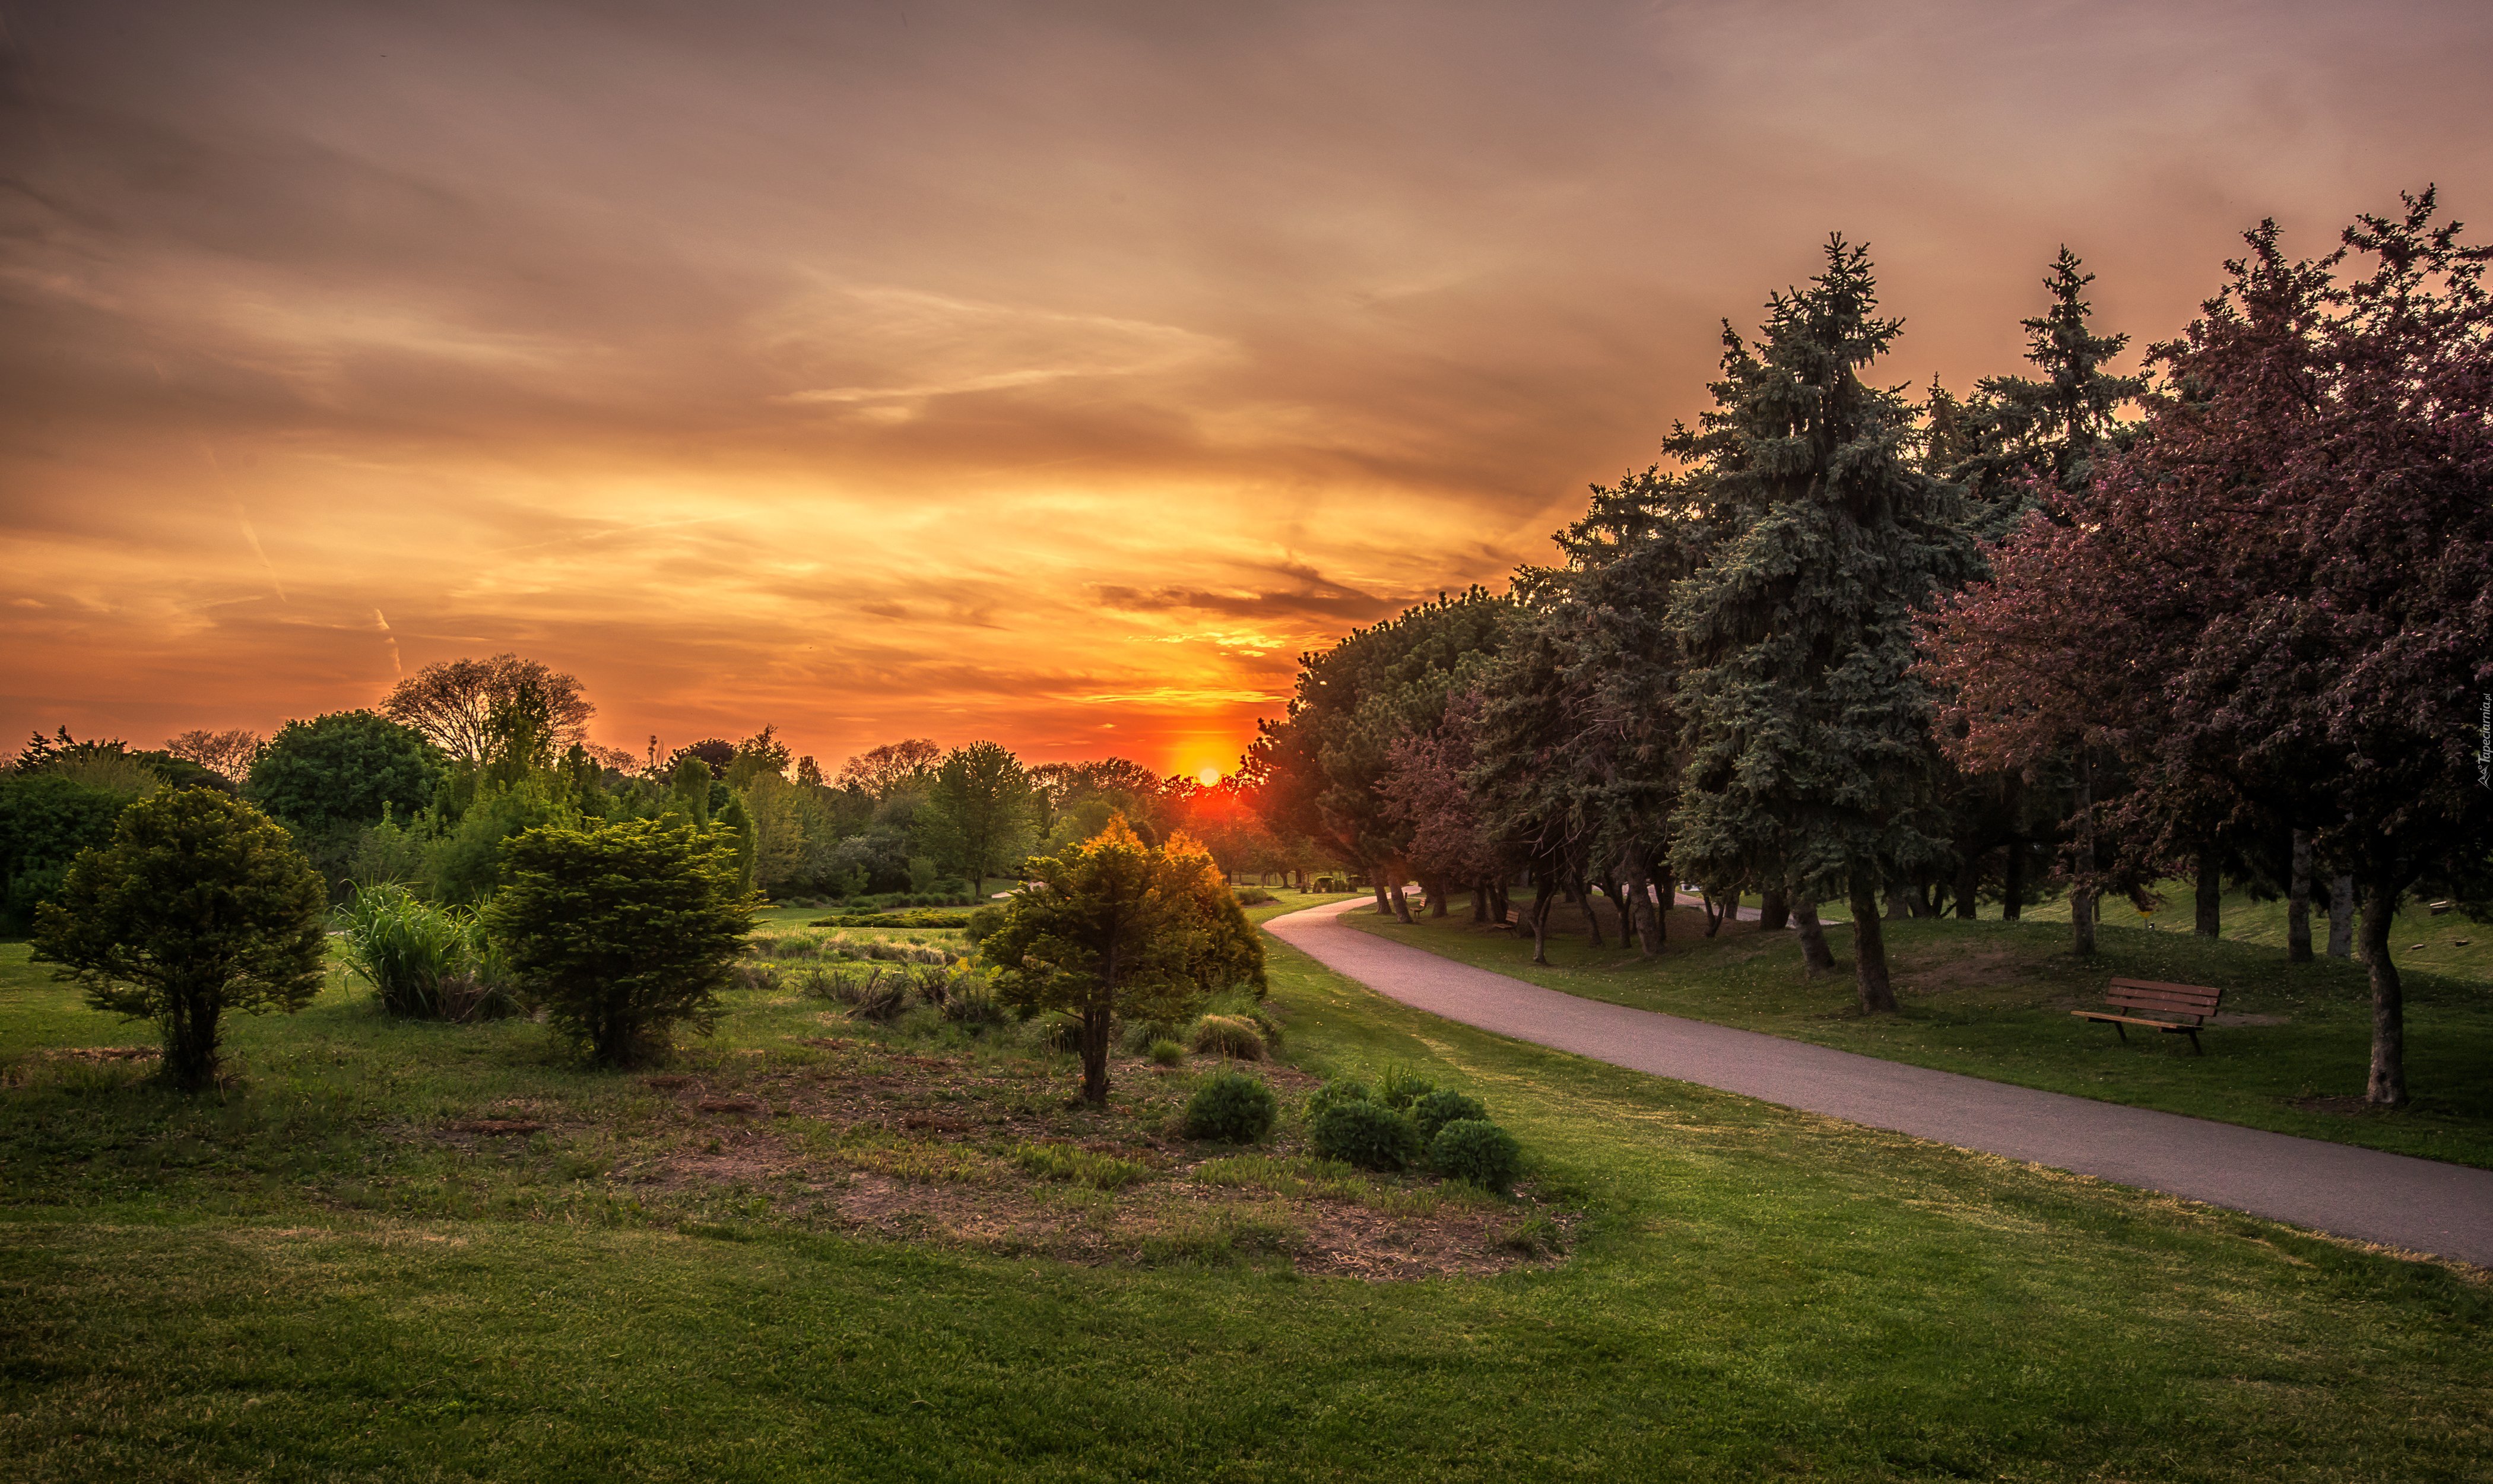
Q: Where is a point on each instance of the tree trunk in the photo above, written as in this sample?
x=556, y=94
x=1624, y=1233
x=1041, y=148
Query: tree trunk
x=1497, y=903
x=1618, y=896
x=1592, y=914
x=2387, y=1087
x=1436, y=891
x=190, y=1027
x=2341, y=917
x=1402, y=902
x=1640, y=909
x=2012, y=883
x=1095, y=1055
x=1658, y=893
x=1774, y=912
x=1384, y=904
x=1814, y=950
x=1544, y=897
x=1870, y=951
x=2082, y=893
x=2298, y=903
x=1480, y=902
x=1969, y=883
x=2211, y=889
x=1898, y=901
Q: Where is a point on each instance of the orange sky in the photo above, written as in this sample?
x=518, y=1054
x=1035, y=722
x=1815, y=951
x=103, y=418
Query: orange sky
x=1053, y=373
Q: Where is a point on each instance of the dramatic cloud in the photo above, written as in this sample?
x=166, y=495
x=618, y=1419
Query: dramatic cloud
x=1053, y=374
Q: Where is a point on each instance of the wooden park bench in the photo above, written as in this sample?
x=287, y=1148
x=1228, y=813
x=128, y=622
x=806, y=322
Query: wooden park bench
x=2167, y=1008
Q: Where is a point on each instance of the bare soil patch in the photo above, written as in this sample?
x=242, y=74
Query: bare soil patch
x=923, y=1148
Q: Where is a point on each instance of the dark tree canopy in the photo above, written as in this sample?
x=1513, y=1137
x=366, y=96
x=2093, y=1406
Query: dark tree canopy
x=465, y=706
x=347, y=768
x=892, y=768
x=2279, y=606
x=1317, y=769
x=978, y=814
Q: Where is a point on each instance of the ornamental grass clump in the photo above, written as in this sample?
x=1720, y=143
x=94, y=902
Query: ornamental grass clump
x=424, y=962
x=1400, y=1087
x=1230, y=1036
x=1165, y=1052
x=1233, y=1107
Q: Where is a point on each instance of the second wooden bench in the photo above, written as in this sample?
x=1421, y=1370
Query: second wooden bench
x=2172, y=1009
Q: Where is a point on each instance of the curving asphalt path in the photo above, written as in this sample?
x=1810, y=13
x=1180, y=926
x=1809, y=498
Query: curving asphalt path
x=2420, y=1206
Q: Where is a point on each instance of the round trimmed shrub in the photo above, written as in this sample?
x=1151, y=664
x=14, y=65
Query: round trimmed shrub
x=1339, y=1090
x=1368, y=1135
x=1165, y=1052
x=1231, y=1036
x=1444, y=1106
x=1232, y=1107
x=1479, y=1151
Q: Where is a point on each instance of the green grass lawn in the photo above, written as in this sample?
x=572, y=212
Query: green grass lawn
x=1991, y=999
x=302, y=1279
x=2448, y=944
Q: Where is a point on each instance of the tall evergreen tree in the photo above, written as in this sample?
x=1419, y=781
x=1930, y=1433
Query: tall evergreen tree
x=1810, y=760
x=2023, y=443
x=2047, y=430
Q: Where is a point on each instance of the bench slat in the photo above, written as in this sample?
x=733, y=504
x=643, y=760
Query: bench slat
x=2160, y=1002
x=2158, y=986
x=2161, y=1026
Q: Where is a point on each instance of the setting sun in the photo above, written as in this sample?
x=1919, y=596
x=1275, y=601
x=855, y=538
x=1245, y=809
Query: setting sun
x=1210, y=777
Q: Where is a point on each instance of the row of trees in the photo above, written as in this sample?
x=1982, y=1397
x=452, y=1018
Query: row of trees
x=426, y=789
x=2079, y=631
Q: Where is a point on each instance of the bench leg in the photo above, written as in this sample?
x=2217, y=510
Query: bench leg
x=2196, y=1050
x=2121, y=1030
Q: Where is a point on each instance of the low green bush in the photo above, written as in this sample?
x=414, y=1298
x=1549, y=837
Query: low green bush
x=1339, y=1090
x=1137, y=1036
x=1231, y=1036
x=1231, y=1107
x=985, y=921
x=926, y=919
x=1435, y=1110
x=1165, y=1051
x=1253, y=897
x=1368, y=1135
x=1479, y=1151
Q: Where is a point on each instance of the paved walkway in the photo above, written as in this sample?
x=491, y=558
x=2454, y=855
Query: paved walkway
x=2417, y=1205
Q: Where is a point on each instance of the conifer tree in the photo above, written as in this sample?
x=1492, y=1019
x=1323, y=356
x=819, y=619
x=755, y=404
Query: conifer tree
x=2048, y=429
x=1810, y=760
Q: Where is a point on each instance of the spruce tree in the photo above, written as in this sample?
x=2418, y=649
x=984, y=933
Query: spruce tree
x=1810, y=760
x=2049, y=430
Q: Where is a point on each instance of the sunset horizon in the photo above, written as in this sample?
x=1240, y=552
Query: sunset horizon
x=751, y=392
